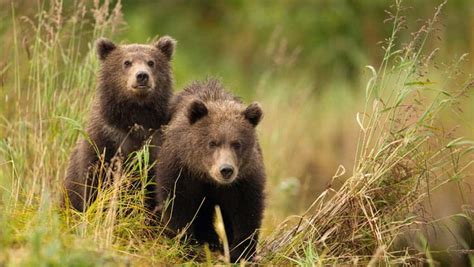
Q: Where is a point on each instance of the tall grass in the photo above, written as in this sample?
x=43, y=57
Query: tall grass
x=403, y=154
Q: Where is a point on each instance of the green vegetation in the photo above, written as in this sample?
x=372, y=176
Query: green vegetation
x=400, y=131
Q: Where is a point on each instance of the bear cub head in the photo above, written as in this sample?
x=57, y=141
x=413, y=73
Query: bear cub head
x=223, y=137
x=135, y=71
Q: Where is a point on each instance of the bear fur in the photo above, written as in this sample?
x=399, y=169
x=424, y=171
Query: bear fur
x=211, y=156
x=130, y=106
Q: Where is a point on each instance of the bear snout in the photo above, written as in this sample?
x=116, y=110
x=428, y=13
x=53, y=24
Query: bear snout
x=142, y=79
x=226, y=171
x=140, y=82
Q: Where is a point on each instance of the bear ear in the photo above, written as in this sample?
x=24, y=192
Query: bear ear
x=104, y=47
x=196, y=111
x=253, y=113
x=166, y=45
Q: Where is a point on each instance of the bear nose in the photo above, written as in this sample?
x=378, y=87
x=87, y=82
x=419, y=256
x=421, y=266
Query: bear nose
x=226, y=170
x=142, y=78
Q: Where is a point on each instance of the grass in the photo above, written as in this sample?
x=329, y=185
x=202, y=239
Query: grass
x=405, y=153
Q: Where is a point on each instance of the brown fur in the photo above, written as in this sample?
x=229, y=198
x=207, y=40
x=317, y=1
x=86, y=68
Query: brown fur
x=127, y=111
x=211, y=128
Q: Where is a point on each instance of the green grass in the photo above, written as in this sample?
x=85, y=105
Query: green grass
x=406, y=151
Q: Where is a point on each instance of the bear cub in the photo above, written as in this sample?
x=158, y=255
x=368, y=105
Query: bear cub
x=130, y=106
x=211, y=156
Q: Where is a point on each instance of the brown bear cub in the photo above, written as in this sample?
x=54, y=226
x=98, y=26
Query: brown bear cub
x=131, y=105
x=210, y=156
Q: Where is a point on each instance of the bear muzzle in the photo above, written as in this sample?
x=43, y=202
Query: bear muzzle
x=226, y=171
x=141, y=83
x=142, y=79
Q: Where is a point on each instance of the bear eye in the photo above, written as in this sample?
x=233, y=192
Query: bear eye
x=151, y=63
x=236, y=145
x=127, y=63
x=212, y=144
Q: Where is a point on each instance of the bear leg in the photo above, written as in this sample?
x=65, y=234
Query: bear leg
x=243, y=221
x=204, y=230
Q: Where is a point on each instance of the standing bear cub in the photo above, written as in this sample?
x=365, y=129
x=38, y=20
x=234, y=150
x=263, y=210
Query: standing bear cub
x=210, y=156
x=131, y=104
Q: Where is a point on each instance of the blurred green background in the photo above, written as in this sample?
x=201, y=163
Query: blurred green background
x=326, y=42
x=330, y=41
